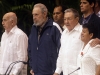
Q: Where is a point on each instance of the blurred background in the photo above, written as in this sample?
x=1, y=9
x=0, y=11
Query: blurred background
x=23, y=9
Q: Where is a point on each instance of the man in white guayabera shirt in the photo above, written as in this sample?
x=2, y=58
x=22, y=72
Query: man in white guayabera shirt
x=14, y=43
x=70, y=44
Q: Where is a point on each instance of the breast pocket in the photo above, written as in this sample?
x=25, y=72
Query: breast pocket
x=76, y=42
x=12, y=46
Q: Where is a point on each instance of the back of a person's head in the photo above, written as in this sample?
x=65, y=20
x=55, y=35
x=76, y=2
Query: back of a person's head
x=91, y=28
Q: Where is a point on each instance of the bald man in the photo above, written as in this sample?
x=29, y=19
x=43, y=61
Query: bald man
x=14, y=43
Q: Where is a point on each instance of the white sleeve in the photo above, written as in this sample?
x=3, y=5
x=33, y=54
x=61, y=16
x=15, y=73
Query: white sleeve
x=21, y=53
x=59, y=62
x=95, y=54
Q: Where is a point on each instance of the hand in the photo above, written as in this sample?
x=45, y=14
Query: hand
x=55, y=74
x=31, y=71
x=95, y=42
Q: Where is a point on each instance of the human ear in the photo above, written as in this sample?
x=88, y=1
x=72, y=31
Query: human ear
x=91, y=35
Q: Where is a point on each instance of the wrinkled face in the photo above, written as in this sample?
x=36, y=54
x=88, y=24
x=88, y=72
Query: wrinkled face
x=85, y=36
x=85, y=6
x=70, y=21
x=38, y=16
x=7, y=23
x=58, y=15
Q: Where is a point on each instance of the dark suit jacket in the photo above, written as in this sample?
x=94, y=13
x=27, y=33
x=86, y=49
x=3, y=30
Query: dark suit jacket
x=96, y=20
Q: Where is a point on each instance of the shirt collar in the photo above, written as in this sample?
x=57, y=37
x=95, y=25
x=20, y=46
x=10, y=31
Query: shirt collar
x=85, y=20
x=87, y=16
x=12, y=30
x=76, y=28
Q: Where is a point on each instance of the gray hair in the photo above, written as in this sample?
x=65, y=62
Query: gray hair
x=42, y=7
x=75, y=12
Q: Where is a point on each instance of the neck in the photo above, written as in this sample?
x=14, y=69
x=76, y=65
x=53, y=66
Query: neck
x=45, y=20
x=61, y=24
x=85, y=43
x=7, y=31
x=86, y=14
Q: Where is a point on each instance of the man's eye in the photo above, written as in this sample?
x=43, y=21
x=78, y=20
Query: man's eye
x=58, y=13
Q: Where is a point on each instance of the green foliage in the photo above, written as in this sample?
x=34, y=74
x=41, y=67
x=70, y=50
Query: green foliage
x=25, y=6
x=24, y=14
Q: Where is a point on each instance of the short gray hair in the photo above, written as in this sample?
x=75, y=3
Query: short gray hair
x=74, y=11
x=42, y=7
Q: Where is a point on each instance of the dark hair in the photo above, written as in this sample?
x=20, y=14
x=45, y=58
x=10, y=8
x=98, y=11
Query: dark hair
x=63, y=8
x=91, y=28
x=92, y=1
x=98, y=1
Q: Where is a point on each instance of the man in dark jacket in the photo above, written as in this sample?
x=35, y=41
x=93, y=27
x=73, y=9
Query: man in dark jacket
x=44, y=42
x=87, y=8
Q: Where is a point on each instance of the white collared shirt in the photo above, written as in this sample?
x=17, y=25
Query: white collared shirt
x=70, y=48
x=89, y=59
x=64, y=27
x=98, y=14
x=13, y=48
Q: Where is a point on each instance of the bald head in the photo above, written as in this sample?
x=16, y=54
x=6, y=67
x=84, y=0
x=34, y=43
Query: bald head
x=9, y=21
x=12, y=16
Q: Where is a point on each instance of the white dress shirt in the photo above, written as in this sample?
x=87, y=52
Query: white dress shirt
x=98, y=14
x=88, y=59
x=13, y=48
x=70, y=48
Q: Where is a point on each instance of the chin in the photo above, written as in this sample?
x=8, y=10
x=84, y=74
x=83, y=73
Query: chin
x=82, y=40
x=37, y=24
x=83, y=11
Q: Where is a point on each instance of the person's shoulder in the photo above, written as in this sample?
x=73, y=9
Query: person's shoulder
x=53, y=25
x=19, y=31
x=95, y=49
x=4, y=34
x=57, y=26
x=97, y=46
x=80, y=27
x=94, y=16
